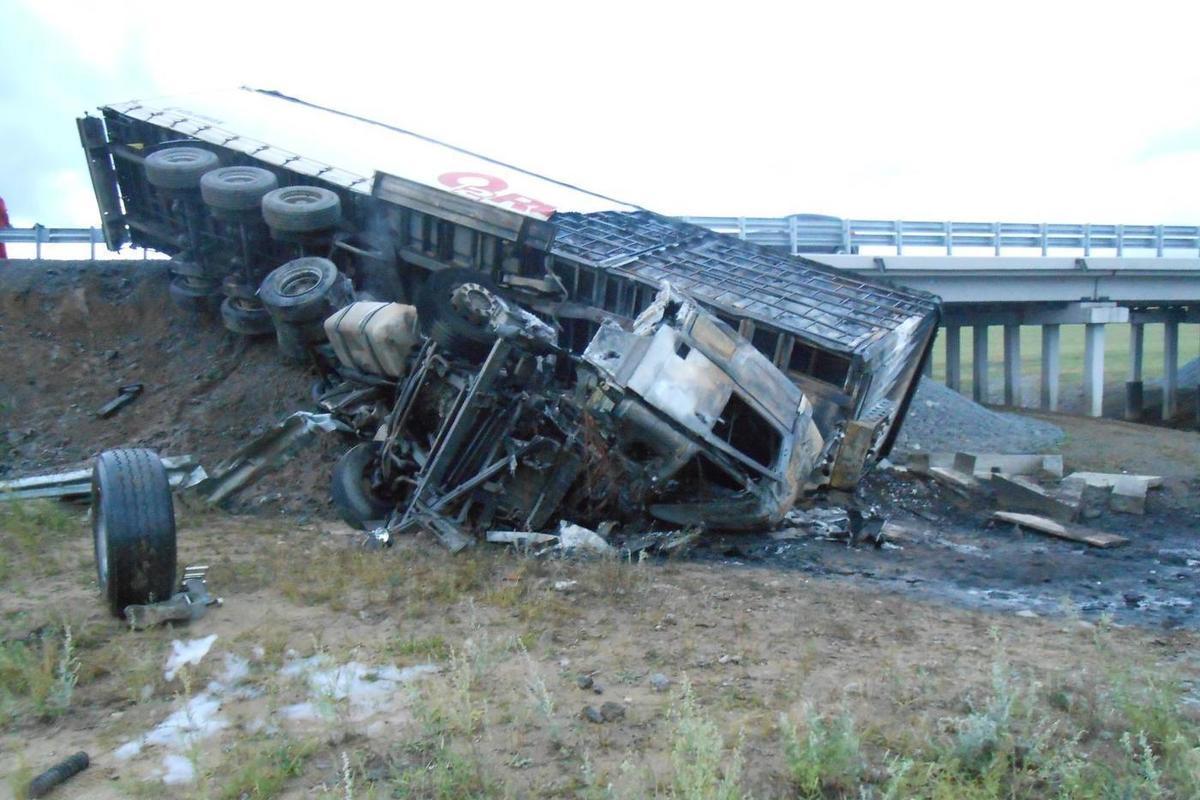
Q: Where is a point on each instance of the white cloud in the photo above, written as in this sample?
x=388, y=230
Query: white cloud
x=1013, y=110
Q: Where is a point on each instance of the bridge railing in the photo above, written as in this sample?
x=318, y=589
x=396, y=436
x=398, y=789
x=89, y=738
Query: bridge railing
x=806, y=233
x=40, y=235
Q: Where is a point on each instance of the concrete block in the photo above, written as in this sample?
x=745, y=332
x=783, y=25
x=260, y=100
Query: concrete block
x=1020, y=494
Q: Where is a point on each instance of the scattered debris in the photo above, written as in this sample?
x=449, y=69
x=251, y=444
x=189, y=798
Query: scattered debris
x=1062, y=530
x=565, y=586
x=191, y=603
x=125, y=395
x=520, y=538
x=983, y=465
x=1021, y=494
x=1128, y=492
x=575, y=538
x=265, y=453
x=659, y=682
x=57, y=775
x=182, y=473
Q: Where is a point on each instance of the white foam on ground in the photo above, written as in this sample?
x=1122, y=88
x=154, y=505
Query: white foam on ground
x=363, y=686
x=177, y=769
x=187, y=653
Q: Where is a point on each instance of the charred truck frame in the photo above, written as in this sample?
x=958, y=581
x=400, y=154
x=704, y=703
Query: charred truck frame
x=564, y=356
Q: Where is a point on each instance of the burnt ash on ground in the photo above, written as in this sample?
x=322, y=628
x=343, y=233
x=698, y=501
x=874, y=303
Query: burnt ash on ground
x=71, y=333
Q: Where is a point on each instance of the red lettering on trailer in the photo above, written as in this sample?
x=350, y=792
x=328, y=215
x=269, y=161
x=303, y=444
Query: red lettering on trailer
x=488, y=188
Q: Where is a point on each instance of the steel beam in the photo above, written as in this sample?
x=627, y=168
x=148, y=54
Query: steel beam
x=1050, y=367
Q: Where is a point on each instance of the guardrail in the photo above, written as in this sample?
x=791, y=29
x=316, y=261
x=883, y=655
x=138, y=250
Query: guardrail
x=805, y=233
x=802, y=233
x=39, y=235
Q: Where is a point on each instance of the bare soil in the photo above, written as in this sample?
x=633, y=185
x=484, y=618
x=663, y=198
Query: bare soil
x=905, y=641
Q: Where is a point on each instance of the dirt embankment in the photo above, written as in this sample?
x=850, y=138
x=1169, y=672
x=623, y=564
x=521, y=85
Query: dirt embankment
x=71, y=334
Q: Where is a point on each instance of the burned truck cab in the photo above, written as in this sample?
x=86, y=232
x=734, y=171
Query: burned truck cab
x=728, y=441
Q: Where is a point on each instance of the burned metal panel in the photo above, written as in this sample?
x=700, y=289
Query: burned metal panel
x=799, y=296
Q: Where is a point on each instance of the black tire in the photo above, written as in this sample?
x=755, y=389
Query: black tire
x=236, y=188
x=245, y=317
x=179, y=167
x=133, y=528
x=442, y=322
x=357, y=503
x=291, y=340
x=304, y=290
x=193, y=295
x=301, y=209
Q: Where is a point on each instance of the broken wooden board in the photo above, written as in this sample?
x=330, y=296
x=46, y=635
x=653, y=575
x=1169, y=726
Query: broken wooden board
x=1074, y=533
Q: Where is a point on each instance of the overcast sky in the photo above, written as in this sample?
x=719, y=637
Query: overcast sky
x=1018, y=112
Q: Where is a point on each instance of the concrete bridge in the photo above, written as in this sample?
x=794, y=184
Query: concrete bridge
x=1014, y=274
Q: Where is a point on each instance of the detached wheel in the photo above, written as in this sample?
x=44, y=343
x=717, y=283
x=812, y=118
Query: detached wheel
x=444, y=323
x=304, y=290
x=179, y=167
x=356, y=499
x=236, y=188
x=133, y=528
x=245, y=317
x=301, y=209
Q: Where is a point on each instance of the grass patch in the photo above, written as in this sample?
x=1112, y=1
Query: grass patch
x=700, y=769
x=260, y=767
x=30, y=532
x=38, y=676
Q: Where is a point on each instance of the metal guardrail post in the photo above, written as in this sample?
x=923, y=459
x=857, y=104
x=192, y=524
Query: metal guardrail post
x=1158, y=240
x=948, y=232
x=899, y=236
x=996, y=237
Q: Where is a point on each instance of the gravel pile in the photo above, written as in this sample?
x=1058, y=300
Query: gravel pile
x=941, y=419
x=1189, y=375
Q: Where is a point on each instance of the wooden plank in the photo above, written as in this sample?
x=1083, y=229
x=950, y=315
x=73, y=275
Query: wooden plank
x=1074, y=533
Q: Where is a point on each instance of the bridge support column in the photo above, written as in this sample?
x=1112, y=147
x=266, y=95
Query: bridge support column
x=1012, y=365
x=1134, y=398
x=1093, y=369
x=979, y=365
x=954, y=357
x=1050, y=367
x=1170, y=382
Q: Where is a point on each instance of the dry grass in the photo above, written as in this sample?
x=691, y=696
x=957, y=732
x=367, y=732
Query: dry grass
x=781, y=685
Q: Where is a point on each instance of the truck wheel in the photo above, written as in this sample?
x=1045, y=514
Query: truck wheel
x=442, y=321
x=179, y=167
x=303, y=290
x=301, y=209
x=357, y=501
x=245, y=317
x=236, y=188
x=133, y=528
x=193, y=295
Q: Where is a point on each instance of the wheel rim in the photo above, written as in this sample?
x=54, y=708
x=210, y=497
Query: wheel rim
x=299, y=283
x=101, y=541
x=235, y=176
x=299, y=197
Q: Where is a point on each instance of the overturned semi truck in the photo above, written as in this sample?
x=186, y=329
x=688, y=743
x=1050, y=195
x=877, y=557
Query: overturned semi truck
x=510, y=350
